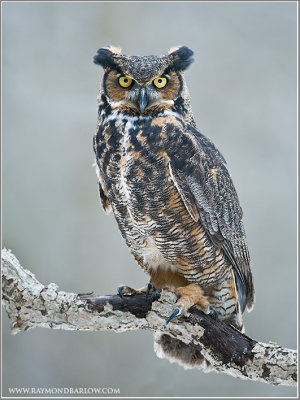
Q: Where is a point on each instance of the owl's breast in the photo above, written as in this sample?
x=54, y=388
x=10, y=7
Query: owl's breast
x=140, y=178
x=131, y=154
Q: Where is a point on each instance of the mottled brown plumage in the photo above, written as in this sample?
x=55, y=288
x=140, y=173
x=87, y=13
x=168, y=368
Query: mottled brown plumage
x=169, y=188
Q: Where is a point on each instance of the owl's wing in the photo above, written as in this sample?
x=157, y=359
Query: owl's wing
x=200, y=175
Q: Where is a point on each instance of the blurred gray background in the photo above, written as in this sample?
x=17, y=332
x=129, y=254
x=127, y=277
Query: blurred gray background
x=243, y=88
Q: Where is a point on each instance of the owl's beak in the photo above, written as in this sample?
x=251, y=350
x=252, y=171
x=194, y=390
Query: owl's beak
x=143, y=100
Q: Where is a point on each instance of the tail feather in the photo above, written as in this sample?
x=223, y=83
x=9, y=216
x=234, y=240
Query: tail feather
x=187, y=355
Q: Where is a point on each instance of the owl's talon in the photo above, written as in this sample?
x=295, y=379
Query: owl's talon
x=119, y=289
x=175, y=312
x=149, y=286
x=154, y=294
x=216, y=315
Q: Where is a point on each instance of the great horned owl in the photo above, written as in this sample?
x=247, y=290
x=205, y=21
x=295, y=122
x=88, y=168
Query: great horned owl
x=170, y=190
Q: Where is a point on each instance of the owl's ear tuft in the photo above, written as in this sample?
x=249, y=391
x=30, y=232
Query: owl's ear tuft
x=181, y=57
x=105, y=56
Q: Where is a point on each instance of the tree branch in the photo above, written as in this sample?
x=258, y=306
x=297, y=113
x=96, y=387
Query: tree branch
x=30, y=304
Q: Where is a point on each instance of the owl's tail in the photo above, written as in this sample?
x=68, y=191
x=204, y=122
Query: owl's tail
x=187, y=355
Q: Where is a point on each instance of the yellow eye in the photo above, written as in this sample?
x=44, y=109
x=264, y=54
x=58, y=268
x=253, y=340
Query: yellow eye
x=124, y=81
x=160, y=82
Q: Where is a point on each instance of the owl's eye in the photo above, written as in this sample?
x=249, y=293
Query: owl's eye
x=125, y=82
x=160, y=82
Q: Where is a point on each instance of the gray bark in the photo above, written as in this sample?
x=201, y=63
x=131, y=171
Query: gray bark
x=30, y=304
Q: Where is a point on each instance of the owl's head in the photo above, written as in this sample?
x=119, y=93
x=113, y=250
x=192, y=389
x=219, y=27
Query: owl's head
x=144, y=84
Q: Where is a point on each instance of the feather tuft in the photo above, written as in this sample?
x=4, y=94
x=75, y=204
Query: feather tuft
x=181, y=58
x=105, y=56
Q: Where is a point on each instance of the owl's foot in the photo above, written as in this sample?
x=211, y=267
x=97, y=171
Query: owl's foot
x=128, y=291
x=191, y=295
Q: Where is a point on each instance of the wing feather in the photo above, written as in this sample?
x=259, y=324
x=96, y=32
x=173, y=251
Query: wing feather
x=185, y=193
x=209, y=195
